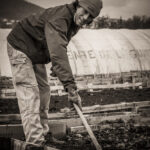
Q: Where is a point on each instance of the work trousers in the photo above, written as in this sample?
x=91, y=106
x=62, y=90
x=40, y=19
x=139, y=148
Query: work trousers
x=33, y=94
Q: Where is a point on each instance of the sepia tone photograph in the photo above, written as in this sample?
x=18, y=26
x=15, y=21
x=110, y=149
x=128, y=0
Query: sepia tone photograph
x=75, y=75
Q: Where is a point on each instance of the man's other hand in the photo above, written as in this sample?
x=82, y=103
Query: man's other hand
x=73, y=97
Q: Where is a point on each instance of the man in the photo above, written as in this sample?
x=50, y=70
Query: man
x=35, y=41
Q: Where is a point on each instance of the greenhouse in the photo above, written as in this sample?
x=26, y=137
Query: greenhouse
x=112, y=71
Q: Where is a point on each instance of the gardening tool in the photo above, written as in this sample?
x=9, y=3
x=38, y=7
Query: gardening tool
x=92, y=136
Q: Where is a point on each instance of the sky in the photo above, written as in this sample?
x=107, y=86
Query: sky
x=112, y=8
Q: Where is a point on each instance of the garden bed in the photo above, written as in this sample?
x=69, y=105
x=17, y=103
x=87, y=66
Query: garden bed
x=108, y=96
x=118, y=136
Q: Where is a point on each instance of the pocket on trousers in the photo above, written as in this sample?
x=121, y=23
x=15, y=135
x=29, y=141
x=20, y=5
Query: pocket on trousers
x=23, y=73
x=22, y=68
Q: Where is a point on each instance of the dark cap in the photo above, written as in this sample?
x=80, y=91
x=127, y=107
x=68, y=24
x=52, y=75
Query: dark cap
x=92, y=6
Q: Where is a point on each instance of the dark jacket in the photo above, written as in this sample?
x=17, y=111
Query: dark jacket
x=44, y=37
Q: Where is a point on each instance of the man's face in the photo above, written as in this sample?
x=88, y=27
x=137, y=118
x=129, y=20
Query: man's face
x=82, y=17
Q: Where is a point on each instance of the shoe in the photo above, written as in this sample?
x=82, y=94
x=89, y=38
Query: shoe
x=49, y=138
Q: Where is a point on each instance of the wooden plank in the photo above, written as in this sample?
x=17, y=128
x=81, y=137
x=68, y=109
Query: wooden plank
x=99, y=120
x=22, y=145
x=116, y=106
x=72, y=122
x=59, y=127
x=81, y=129
x=7, y=97
x=7, y=90
x=53, y=88
x=59, y=90
x=111, y=109
x=16, y=130
x=125, y=85
x=121, y=105
x=9, y=118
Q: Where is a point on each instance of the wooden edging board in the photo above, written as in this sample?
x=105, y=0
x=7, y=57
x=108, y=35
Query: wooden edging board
x=60, y=127
x=16, y=130
x=59, y=123
x=21, y=145
x=92, y=110
x=58, y=90
x=81, y=129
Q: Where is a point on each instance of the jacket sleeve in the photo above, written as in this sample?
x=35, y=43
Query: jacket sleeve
x=57, y=44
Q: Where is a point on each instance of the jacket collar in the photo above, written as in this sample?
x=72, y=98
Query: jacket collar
x=71, y=8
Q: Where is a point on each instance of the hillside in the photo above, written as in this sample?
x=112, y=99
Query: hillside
x=17, y=9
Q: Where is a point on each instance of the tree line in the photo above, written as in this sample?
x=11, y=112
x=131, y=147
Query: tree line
x=136, y=22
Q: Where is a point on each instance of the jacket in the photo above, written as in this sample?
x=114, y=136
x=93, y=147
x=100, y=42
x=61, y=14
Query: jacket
x=44, y=37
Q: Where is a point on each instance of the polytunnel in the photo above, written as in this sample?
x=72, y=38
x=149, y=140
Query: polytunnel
x=103, y=51
x=112, y=114
x=107, y=51
x=4, y=62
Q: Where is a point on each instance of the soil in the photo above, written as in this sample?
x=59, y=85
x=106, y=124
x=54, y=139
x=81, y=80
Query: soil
x=109, y=96
x=120, y=136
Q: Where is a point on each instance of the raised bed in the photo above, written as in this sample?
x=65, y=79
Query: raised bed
x=21, y=145
x=116, y=136
x=15, y=144
x=104, y=97
x=116, y=126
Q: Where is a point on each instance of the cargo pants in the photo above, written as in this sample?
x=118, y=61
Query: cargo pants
x=33, y=94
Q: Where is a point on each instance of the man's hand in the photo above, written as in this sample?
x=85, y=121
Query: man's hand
x=53, y=74
x=73, y=97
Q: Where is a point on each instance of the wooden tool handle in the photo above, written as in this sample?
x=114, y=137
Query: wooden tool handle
x=94, y=140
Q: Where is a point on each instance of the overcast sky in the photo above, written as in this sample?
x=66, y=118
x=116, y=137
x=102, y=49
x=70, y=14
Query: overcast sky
x=112, y=8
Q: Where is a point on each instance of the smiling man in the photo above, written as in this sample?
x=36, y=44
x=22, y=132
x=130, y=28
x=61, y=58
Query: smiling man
x=35, y=41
